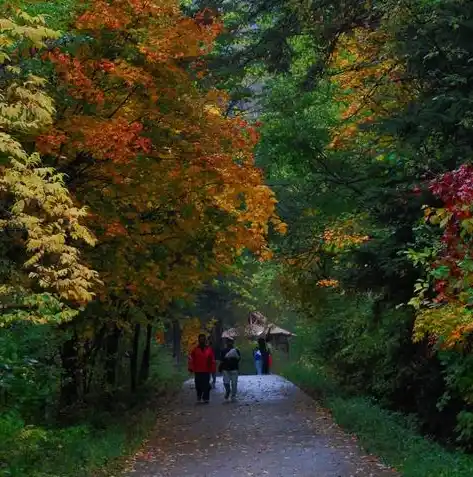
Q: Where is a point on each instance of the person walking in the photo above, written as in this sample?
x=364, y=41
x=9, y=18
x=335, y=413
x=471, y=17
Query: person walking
x=265, y=353
x=202, y=364
x=258, y=359
x=229, y=366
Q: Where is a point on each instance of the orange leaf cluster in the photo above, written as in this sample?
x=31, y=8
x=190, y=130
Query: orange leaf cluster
x=327, y=283
x=339, y=239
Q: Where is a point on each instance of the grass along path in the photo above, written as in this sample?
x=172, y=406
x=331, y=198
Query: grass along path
x=381, y=432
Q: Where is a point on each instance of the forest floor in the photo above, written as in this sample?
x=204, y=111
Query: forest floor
x=274, y=429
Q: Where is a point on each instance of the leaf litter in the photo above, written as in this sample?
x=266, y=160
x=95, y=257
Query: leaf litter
x=274, y=429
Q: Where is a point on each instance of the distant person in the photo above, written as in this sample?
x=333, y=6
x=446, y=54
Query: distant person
x=229, y=366
x=258, y=360
x=263, y=350
x=202, y=364
x=270, y=355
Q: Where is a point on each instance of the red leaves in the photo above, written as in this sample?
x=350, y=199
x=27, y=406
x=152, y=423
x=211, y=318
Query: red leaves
x=51, y=142
x=103, y=15
x=114, y=139
x=75, y=74
x=106, y=66
x=455, y=188
x=115, y=229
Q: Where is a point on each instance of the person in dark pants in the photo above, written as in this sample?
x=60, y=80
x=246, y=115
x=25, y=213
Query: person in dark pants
x=265, y=355
x=202, y=364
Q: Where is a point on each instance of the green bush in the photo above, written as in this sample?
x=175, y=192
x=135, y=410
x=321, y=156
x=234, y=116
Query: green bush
x=369, y=351
x=29, y=370
x=102, y=439
x=75, y=451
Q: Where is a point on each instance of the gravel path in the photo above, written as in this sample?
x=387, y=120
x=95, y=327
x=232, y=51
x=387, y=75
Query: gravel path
x=273, y=430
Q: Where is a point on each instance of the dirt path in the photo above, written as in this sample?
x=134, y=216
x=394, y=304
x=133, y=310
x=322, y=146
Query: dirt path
x=273, y=430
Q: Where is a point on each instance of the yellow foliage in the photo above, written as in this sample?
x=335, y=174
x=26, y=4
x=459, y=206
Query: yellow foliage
x=328, y=283
x=43, y=208
x=39, y=204
x=372, y=85
x=191, y=330
x=344, y=234
x=190, y=333
x=452, y=322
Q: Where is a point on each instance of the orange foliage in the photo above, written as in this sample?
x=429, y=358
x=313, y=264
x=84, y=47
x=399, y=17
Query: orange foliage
x=340, y=237
x=191, y=330
x=327, y=283
x=171, y=182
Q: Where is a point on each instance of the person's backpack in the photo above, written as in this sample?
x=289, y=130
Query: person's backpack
x=233, y=353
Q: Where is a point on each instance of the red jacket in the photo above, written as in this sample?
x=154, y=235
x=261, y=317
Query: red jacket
x=202, y=360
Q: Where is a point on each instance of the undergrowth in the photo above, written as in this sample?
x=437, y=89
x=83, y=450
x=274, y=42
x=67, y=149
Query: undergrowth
x=97, y=447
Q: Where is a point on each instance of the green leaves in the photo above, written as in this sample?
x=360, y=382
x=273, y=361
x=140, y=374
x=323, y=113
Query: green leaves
x=441, y=272
x=17, y=304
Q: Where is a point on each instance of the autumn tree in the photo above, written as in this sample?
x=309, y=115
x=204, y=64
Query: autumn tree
x=170, y=182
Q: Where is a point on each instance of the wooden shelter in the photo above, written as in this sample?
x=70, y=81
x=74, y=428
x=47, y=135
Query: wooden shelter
x=259, y=327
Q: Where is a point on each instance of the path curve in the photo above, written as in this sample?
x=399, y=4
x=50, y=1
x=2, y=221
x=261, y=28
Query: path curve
x=273, y=430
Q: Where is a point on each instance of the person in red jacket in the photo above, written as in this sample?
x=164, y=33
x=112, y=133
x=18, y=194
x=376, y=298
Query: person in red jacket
x=202, y=364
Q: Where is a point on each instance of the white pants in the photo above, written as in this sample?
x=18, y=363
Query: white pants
x=230, y=381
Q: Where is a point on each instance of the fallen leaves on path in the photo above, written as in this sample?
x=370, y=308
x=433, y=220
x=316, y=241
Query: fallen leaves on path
x=274, y=429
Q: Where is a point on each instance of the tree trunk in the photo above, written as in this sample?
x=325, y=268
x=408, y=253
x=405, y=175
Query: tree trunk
x=145, y=362
x=217, y=334
x=134, y=358
x=70, y=382
x=111, y=348
x=176, y=341
x=92, y=357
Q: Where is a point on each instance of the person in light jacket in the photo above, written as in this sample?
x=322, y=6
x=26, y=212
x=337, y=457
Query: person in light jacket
x=230, y=358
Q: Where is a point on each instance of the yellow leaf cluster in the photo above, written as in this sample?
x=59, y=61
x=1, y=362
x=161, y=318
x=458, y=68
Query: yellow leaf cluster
x=344, y=234
x=371, y=83
x=20, y=26
x=452, y=322
x=43, y=209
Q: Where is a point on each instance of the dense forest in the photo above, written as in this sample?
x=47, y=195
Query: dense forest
x=166, y=167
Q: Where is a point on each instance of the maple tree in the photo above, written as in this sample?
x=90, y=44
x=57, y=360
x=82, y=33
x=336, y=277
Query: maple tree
x=177, y=183
x=169, y=181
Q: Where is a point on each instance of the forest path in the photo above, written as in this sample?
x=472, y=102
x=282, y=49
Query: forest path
x=273, y=430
